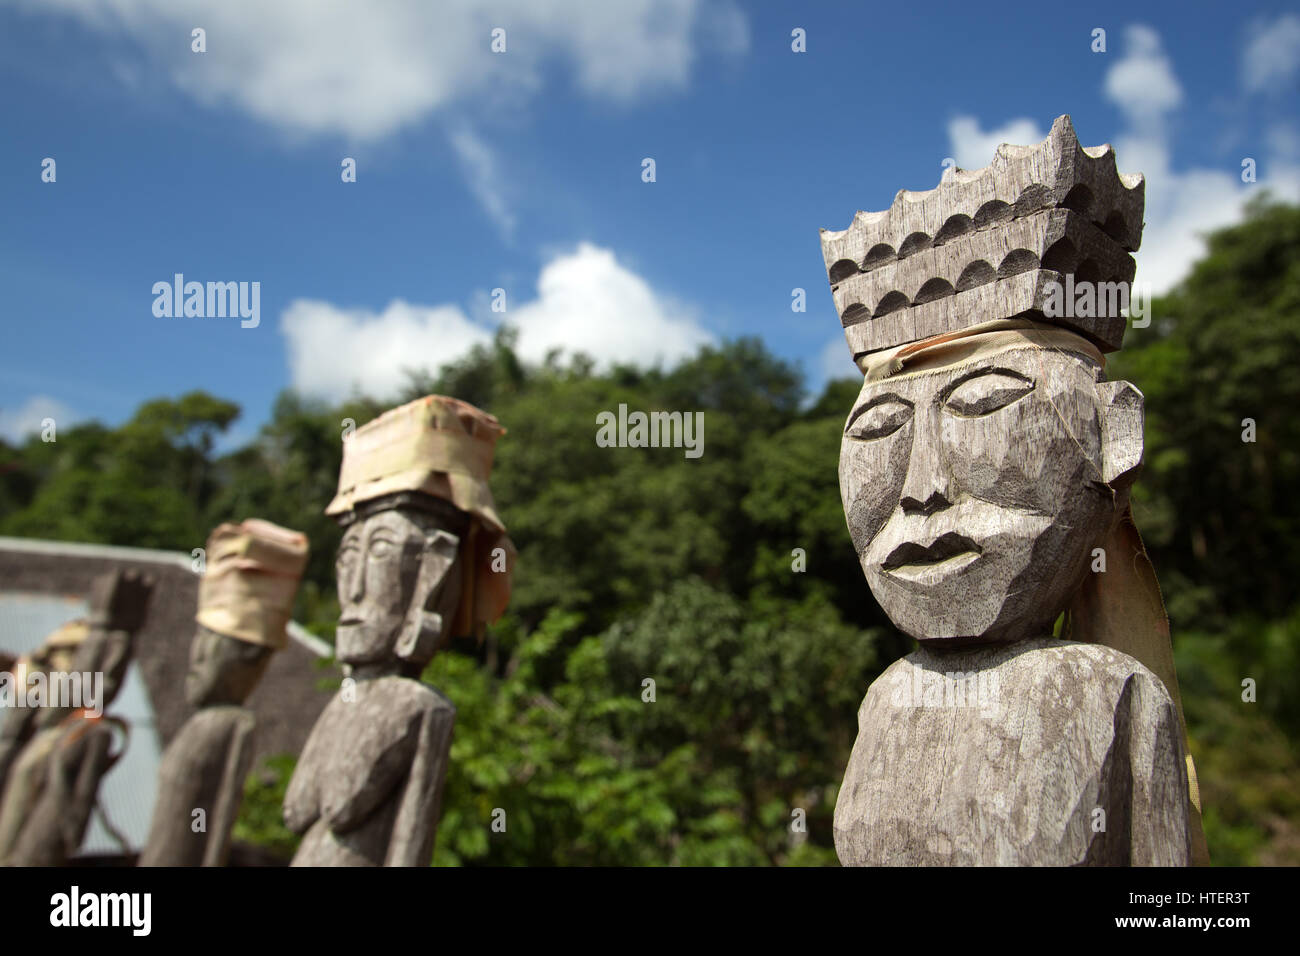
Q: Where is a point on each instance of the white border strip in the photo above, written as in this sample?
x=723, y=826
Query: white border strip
x=72, y=549
x=308, y=640
x=112, y=551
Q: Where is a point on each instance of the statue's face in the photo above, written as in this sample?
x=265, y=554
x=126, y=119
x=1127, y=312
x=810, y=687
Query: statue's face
x=223, y=670
x=385, y=568
x=974, y=494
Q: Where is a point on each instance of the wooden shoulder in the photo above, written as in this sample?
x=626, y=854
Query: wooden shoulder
x=401, y=695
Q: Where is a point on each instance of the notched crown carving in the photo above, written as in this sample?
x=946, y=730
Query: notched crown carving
x=1033, y=215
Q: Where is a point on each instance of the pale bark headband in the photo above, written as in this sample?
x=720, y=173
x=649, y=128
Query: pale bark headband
x=971, y=345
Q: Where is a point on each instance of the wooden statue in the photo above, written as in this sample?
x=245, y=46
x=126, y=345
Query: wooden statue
x=55, y=655
x=985, y=472
x=54, y=784
x=245, y=601
x=424, y=558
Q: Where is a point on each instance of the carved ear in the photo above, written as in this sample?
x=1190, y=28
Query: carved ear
x=422, y=631
x=1120, y=406
x=420, y=637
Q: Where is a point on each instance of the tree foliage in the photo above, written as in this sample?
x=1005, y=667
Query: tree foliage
x=727, y=584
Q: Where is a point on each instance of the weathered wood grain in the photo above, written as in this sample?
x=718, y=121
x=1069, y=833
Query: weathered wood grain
x=203, y=768
x=982, y=472
x=1069, y=754
x=368, y=786
x=991, y=242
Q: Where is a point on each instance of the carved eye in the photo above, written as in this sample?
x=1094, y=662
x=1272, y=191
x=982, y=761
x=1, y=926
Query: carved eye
x=985, y=394
x=381, y=547
x=883, y=418
x=347, y=554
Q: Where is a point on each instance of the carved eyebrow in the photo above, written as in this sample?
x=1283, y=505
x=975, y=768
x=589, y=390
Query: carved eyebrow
x=878, y=400
x=979, y=373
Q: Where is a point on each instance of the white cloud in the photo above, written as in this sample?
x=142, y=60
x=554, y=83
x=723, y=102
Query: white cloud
x=1142, y=82
x=1181, y=205
x=334, y=351
x=1272, y=56
x=586, y=301
x=724, y=26
x=973, y=148
x=366, y=69
x=621, y=49
x=17, y=423
x=482, y=170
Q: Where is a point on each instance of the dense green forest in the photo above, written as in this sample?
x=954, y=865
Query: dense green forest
x=730, y=579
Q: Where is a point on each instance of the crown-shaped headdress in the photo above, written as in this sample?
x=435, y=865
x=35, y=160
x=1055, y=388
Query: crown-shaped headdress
x=1007, y=241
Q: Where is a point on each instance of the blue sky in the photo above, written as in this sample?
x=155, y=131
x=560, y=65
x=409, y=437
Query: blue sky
x=522, y=171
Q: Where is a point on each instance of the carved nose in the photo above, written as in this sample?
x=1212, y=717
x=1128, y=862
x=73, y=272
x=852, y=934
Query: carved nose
x=928, y=485
x=354, y=583
x=937, y=501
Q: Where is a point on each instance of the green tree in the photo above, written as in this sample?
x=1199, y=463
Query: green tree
x=641, y=564
x=1218, y=512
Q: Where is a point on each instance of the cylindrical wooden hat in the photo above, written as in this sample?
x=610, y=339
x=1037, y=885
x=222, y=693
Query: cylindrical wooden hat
x=444, y=448
x=250, y=582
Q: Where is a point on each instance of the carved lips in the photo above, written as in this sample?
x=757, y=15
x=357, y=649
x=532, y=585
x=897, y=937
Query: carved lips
x=926, y=564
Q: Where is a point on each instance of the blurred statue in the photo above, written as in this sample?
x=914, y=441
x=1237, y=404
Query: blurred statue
x=55, y=655
x=424, y=558
x=985, y=473
x=245, y=601
x=54, y=783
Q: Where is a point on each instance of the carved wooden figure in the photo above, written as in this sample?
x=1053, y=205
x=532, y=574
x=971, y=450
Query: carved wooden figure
x=985, y=471
x=55, y=655
x=54, y=783
x=424, y=558
x=245, y=601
